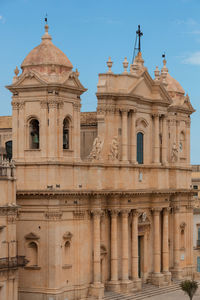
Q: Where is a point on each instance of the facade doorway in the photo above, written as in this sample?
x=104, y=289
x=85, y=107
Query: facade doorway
x=140, y=256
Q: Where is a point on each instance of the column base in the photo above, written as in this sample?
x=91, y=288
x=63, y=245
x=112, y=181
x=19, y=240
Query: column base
x=157, y=279
x=113, y=285
x=96, y=291
x=137, y=283
x=177, y=273
x=167, y=277
x=126, y=286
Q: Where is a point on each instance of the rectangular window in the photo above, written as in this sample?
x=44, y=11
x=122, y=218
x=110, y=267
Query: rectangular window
x=198, y=263
x=195, y=187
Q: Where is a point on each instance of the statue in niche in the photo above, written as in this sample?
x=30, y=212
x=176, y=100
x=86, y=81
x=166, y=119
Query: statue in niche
x=174, y=155
x=96, y=149
x=114, y=149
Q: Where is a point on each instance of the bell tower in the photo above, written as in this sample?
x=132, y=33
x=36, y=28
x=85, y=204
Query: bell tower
x=46, y=107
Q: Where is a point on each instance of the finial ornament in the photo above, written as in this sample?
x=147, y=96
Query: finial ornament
x=140, y=34
x=45, y=19
x=125, y=65
x=157, y=74
x=109, y=65
x=164, y=71
x=77, y=73
x=16, y=71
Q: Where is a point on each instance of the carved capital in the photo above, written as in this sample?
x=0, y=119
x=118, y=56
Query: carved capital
x=53, y=104
x=166, y=210
x=43, y=104
x=135, y=213
x=77, y=106
x=124, y=110
x=176, y=209
x=17, y=104
x=114, y=212
x=156, y=211
x=97, y=213
x=125, y=212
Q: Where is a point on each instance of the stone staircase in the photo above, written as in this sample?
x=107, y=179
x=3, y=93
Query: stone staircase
x=148, y=290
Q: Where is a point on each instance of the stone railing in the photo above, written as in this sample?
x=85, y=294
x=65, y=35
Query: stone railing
x=7, y=168
x=13, y=262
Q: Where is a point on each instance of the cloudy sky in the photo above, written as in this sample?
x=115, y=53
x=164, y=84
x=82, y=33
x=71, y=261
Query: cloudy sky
x=89, y=31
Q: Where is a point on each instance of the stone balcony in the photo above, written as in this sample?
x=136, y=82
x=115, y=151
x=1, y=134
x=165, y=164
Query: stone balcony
x=7, y=263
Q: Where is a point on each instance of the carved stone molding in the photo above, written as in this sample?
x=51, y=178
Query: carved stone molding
x=182, y=226
x=32, y=236
x=79, y=214
x=176, y=208
x=8, y=210
x=53, y=215
x=67, y=236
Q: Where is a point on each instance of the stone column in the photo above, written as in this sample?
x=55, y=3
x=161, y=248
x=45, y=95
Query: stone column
x=124, y=135
x=187, y=142
x=157, y=276
x=176, y=232
x=165, y=245
x=164, y=140
x=114, y=284
x=156, y=139
x=133, y=138
x=96, y=246
x=15, y=130
x=77, y=131
x=156, y=243
x=96, y=289
x=125, y=279
x=52, y=134
x=134, y=251
x=134, y=245
x=114, y=254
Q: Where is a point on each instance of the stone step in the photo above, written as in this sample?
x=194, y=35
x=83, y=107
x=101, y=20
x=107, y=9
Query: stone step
x=147, y=292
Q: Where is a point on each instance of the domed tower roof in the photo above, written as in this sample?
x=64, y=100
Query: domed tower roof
x=173, y=85
x=46, y=57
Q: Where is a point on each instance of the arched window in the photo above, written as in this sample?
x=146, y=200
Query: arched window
x=140, y=147
x=66, y=133
x=34, y=134
x=67, y=259
x=9, y=149
x=32, y=254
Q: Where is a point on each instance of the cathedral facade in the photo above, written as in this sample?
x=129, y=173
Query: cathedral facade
x=104, y=198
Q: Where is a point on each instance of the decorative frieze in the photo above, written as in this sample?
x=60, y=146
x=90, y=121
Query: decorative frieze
x=79, y=214
x=53, y=215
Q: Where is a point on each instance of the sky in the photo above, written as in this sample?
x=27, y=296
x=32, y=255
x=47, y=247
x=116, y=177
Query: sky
x=89, y=31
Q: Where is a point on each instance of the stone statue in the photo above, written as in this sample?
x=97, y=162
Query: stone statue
x=174, y=155
x=114, y=149
x=96, y=149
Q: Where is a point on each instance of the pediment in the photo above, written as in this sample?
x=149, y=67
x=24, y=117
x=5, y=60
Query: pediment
x=29, y=79
x=74, y=82
x=146, y=88
x=32, y=236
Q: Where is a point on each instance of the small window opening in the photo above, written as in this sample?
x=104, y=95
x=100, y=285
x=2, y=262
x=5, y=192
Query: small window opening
x=66, y=133
x=140, y=148
x=34, y=134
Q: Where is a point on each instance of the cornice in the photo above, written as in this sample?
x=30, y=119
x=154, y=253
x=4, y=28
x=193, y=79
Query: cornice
x=84, y=193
